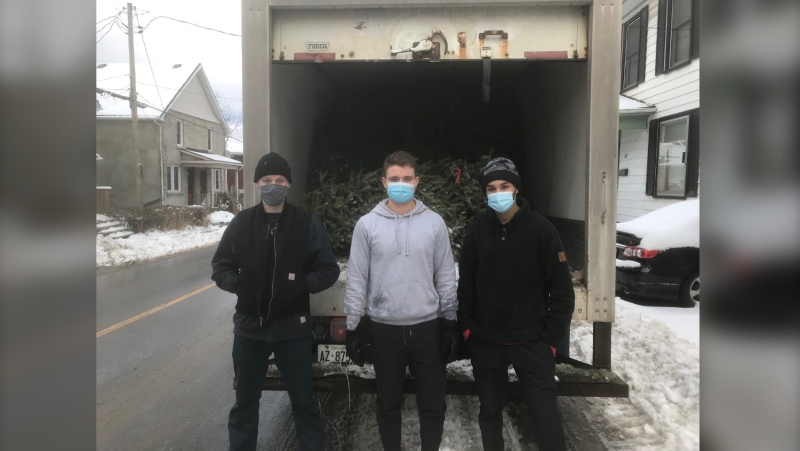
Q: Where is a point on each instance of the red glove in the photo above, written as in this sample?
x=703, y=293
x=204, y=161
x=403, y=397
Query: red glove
x=554, y=350
x=465, y=334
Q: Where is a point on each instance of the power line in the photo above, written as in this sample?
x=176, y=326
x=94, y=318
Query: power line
x=110, y=24
x=111, y=27
x=103, y=20
x=189, y=23
x=186, y=90
x=141, y=35
x=111, y=78
x=141, y=105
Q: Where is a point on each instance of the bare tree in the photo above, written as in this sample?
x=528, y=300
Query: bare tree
x=232, y=118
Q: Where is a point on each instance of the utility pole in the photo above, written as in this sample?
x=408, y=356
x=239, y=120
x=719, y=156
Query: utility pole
x=134, y=112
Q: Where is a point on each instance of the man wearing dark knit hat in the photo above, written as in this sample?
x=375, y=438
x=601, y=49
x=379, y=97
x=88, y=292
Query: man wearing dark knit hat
x=515, y=301
x=272, y=256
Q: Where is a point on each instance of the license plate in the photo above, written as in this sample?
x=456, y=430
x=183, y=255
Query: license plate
x=332, y=353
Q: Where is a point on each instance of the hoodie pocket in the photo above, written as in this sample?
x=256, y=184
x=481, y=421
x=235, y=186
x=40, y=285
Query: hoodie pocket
x=405, y=301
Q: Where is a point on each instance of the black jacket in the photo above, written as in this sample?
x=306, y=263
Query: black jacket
x=302, y=260
x=514, y=281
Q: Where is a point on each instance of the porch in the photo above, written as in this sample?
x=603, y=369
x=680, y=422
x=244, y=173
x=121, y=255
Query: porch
x=207, y=175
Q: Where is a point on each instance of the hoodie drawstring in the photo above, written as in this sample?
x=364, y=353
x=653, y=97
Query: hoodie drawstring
x=396, y=236
x=408, y=232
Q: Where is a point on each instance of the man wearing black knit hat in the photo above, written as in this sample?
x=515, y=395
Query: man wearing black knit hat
x=272, y=256
x=515, y=301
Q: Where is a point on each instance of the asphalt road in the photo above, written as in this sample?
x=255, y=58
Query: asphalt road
x=164, y=370
x=164, y=381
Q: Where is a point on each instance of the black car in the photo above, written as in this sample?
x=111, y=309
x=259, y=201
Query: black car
x=658, y=254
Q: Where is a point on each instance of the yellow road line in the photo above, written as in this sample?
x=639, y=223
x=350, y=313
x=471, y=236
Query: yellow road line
x=152, y=310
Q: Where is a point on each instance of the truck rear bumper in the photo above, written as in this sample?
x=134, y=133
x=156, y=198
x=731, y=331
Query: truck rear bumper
x=575, y=378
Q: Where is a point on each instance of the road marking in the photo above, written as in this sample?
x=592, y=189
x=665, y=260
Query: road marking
x=152, y=310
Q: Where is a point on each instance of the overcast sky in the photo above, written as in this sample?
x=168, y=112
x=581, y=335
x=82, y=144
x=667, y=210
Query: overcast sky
x=172, y=42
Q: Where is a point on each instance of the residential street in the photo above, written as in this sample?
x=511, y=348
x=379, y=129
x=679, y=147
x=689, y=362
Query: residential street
x=164, y=381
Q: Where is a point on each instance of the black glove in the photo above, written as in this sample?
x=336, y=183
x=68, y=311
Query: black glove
x=358, y=344
x=353, y=346
x=451, y=340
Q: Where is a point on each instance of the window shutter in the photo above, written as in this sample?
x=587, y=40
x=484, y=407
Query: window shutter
x=693, y=157
x=695, y=52
x=652, y=159
x=661, y=39
x=643, y=45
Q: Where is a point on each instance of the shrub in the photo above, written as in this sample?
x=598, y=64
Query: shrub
x=226, y=202
x=456, y=196
x=161, y=218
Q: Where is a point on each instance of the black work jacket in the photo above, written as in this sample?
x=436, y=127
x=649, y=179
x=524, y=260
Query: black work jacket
x=514, y=283
x=300, y=257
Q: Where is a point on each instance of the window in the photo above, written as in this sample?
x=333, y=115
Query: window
x=678, y=33
x=634, y=48
x=217, y=179
x=210, y=139
x=179, y=128
x=673, y=156
x=173, y=178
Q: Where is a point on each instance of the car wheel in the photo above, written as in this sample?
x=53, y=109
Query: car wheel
x=690, y=289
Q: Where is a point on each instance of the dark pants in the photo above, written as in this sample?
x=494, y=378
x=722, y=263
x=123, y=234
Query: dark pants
x=535, y=366
x=294, y=361
x=417, y=346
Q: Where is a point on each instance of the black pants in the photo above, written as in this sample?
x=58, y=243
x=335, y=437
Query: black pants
x=535, y=367
x=294, y=361
x=417, y=346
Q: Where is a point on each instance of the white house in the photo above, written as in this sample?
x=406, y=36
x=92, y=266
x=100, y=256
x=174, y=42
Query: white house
x=181, y=137
x=659, y=156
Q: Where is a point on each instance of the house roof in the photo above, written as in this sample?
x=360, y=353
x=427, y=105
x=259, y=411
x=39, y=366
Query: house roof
x=234, y=147
x=158, y=94
x=629, y=106
x=204, y=159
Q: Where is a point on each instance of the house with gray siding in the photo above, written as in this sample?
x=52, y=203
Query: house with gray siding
x=659, y=146
x=181, y=133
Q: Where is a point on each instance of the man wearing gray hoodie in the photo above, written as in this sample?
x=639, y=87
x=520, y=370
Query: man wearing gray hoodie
x=402, y=275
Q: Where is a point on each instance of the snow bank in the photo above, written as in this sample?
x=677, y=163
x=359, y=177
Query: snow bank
x=663, y=372
x=676, y=225
x=147, y=246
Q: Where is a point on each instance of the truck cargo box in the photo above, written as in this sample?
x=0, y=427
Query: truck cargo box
x=544, y=77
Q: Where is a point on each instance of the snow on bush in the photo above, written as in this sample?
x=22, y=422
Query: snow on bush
x=221, y=217
x=150, y=245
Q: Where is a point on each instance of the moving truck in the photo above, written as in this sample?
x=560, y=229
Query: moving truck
x=551, y=67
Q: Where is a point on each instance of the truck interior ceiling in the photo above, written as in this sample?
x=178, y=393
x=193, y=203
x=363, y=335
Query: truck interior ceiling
x=356, y=112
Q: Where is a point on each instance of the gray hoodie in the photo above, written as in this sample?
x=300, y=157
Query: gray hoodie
x=401, y=269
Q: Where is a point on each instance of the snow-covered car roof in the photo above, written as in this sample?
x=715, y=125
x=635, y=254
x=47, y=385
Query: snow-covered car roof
x=676, y=225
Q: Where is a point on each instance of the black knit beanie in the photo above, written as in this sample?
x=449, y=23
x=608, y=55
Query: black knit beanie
x=501, y=169
x=272, y=164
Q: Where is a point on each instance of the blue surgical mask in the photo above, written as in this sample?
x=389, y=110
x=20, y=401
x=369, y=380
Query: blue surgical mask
x=501, y=202
x=400, y=192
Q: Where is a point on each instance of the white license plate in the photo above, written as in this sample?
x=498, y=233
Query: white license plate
x=332, y=353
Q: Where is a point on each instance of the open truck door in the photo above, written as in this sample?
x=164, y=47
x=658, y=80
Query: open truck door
x=553, y=66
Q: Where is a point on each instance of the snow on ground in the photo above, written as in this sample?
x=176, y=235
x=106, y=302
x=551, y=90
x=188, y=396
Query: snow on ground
x=685, y=322
x=141, y=247
x=659, y=357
